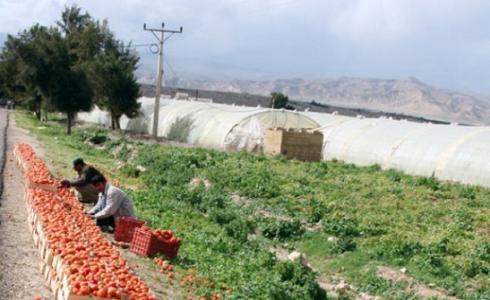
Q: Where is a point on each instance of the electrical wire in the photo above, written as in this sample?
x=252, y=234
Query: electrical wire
x=167, y=62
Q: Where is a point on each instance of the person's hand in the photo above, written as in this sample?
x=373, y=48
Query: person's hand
x=65, y=183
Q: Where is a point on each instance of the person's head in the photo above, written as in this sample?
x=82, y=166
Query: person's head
x=99, y=182
x=78, y=164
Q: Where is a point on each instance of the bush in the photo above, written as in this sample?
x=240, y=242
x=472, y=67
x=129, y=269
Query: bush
x=343, y=244
x=399, y=247
x=282, y=230
x=98, y=139
x=430, y=182
x=296, y=282
x=130, y=171
x=317, y=211
x=341, y=227
x=483, y=252
x=239, y=229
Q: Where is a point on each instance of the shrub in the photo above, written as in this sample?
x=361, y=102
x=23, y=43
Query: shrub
x=430, y=182
x=296, y=282
x=341, y=227
x=343, y=244
x=282, y=230
x=130, y=171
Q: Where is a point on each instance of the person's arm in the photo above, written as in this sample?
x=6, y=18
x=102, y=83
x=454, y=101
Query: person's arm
x=113, y=203
x=98, y=206
x=80, y=180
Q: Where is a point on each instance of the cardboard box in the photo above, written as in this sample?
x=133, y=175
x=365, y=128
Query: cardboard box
x=300, y=144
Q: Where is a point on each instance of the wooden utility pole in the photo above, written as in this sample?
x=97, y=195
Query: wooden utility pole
x=161, y=40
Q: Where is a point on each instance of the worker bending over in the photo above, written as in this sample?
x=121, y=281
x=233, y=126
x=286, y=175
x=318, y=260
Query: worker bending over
x=112, y=204
x=86, y=192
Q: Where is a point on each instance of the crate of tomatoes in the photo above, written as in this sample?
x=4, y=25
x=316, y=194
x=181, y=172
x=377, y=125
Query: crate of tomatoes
x=146, y=242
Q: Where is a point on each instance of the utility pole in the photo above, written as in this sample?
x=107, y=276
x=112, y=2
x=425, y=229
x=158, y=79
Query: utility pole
x=161, y=39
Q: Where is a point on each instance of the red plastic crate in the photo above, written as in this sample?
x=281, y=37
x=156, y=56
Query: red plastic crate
x=167, y=249
x=125, y=227
x=146, y=243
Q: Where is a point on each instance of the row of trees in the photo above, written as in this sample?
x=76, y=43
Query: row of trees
x=69, y=67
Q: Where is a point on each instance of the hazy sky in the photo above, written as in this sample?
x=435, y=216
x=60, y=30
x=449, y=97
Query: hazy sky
x=445, y=43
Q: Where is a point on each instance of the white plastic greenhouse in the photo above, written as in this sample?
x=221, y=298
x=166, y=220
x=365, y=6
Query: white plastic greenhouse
x=207, y=124
x=449, y=152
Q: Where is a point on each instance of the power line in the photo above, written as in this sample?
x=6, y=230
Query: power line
x=171, y=68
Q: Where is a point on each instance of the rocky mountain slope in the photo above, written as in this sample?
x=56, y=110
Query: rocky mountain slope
x=406, y=96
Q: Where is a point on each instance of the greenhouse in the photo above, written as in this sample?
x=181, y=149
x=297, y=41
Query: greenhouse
x=449, y=152
x=208, y=124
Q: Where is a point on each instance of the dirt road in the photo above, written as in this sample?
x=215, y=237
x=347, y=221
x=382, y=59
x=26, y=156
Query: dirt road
x=20, y=277
x=3, y=135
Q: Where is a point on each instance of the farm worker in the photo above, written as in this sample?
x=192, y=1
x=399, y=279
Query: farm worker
x=86, y=192
x=112, y=204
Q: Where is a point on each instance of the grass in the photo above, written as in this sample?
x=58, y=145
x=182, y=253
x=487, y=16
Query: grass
x=439, y=231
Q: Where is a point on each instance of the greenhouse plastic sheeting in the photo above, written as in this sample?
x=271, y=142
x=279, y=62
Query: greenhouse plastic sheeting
x=142, y=124
x=224, y=126
x=207, y=124
x=449, y=152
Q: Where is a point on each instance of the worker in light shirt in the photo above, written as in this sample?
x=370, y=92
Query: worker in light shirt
x=112, y=204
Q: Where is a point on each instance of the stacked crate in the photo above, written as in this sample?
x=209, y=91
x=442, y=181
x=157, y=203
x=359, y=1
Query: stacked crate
x=300, y=144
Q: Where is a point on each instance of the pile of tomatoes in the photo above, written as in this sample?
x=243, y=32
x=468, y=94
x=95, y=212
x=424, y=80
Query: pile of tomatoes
x=165, y=267
x=89, y=263
x=168, y=237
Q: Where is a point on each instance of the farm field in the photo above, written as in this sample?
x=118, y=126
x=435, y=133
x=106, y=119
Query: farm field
x=364, y=232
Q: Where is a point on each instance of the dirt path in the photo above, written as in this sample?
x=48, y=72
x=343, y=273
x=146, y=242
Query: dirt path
x=20, y=277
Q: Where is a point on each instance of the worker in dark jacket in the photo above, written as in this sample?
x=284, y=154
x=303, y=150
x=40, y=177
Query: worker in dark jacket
x=86, y=191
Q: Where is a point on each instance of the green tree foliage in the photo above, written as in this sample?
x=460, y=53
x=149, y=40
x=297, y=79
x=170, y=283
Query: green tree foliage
x=279, y=100
x=115, y=85
x=19, y=69
x=51, y=68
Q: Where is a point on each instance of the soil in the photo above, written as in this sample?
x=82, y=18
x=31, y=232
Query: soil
x=415, y=287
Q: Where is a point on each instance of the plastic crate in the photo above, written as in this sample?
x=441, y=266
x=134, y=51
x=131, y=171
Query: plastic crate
x=125, y=227
x=146, y=243
x=170, y=251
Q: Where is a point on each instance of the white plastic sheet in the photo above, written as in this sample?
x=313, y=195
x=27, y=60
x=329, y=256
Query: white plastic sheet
x=449, y=152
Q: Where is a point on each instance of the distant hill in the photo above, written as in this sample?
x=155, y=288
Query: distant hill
x=247, y=99
x=406, y=96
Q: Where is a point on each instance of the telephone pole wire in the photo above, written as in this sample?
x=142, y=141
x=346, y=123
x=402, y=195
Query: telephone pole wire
x=161, y=40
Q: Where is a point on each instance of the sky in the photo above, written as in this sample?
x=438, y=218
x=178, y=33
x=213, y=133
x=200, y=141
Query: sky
x=444, y=43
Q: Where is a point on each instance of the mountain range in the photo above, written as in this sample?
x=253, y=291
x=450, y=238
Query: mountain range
x=404, y=96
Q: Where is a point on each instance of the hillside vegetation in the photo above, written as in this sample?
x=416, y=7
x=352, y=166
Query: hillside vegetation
x=230, y=209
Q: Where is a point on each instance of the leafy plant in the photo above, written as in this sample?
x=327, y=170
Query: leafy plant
x=282, y=230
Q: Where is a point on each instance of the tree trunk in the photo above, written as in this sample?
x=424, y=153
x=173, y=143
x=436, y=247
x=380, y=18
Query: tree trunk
x=118, y=125
x=38, y=111
x=68, y=125
x=112, y=122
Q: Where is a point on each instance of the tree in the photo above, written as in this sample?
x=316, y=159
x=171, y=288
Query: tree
x=73, y=21
x=64, y=83
x=49, y=68
x=20, y=68
x=279, y=100
x=115, y=84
